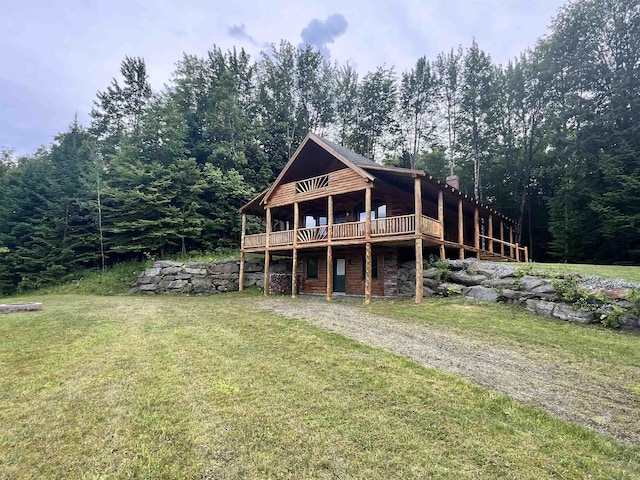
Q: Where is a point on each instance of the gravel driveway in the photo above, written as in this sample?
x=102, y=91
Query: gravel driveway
x=521, y=373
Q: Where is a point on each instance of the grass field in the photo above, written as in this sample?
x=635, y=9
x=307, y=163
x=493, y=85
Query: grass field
x=631, y=273
x=208, y=387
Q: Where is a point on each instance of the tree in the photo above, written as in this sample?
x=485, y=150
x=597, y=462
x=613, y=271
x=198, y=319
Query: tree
x=417, y=106
x=118, y=110
x=377, y=101
x=476, y=112
x=346, y=102
x=448, y=68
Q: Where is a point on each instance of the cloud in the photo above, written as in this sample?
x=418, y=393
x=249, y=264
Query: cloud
x=318, y=33
x=240, y=32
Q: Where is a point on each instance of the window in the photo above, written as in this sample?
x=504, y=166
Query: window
x=378, y=210
x=374, y=267
x=312, y=268
x=315, y=219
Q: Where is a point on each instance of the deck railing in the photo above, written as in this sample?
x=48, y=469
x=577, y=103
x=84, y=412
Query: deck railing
x=284, y=237
x=512, y=250
x=312, y=234
x=400, y=225
x=255, y=241
x=393, y=225
x=431, y=226
x=348, y=230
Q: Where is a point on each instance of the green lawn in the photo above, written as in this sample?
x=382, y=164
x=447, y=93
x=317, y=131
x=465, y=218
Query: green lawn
x=207, y=387
x=606, y=271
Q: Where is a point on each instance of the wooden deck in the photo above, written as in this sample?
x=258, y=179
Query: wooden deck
x=391, y=228
x=388, y=229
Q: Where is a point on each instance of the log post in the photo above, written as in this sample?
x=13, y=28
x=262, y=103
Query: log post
x=502, y=237
x=511, y=242
x=267, y=254
x=368, y=274
x=294, y=274
x=417, y=194
x=517, y=253
x=367, y=209
x=460, y=229
x=241, y=274
x=526, y=254
x=419, y=270
x=329, y=273
x=441, y=221
x=267, y=259
x=330, y=218
x=294, y=267
x=490, y=233
x=476, y=231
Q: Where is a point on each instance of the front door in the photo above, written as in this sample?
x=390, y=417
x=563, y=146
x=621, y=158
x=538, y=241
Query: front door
x=339, y=275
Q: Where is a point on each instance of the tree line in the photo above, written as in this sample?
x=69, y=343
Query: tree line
x=551, y=139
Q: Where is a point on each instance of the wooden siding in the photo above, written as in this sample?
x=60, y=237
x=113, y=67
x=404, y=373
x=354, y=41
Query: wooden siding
x=313, y=285
x=340, y=181
x=354, y=281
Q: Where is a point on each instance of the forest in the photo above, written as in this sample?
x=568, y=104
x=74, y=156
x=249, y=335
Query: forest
x=551, y=139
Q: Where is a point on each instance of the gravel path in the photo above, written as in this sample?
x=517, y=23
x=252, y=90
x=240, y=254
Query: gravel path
x=565, y=390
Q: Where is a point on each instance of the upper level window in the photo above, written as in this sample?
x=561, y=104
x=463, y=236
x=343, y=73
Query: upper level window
x=315, y=220
x=378, y=210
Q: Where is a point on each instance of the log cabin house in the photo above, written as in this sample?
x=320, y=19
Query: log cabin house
x=348, y=222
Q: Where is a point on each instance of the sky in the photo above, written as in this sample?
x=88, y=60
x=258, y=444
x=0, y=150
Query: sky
x=55, y=56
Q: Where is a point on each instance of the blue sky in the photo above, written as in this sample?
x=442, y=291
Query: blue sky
x=55, y=56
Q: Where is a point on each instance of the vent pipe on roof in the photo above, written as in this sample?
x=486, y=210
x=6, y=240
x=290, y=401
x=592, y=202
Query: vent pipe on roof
x=453, y=181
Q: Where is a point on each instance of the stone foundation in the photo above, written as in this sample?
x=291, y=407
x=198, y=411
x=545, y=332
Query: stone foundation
x=201, y=278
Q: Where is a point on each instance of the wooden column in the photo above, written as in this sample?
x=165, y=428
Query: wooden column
x=241, y=274
x=294, y=268
x=329, y=248
x=490, y=233
x=526, y=254
x=330, y=218
x=441, y=221
x=329, y=273
x=417, y=195
x=511, y=242
x=461, y=229
x=476, y=231
x=367, y=209
x=294, y=274
x=368, y=274
x=267, y=254
x=517, y=252
x=502, y=237
x=419, y=270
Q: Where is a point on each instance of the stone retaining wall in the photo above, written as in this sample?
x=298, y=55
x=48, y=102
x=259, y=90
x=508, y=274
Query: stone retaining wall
x=201, y=278
x=498, y=283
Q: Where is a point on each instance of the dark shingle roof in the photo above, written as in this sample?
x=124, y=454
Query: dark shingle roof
x=353, y=157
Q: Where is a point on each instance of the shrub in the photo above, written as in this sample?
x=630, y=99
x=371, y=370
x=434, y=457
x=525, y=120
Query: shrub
x=612, y=319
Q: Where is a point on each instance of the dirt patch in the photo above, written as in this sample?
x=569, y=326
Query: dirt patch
x=565, y=390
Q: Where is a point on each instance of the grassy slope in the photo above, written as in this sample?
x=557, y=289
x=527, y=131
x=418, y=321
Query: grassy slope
x=607, y=271
x=206, y=387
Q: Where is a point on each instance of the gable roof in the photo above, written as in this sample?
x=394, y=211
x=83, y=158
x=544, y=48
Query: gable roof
x=340, y=153
x=367, y=169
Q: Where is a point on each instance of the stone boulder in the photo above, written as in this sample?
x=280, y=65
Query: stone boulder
x=466, y=279
x=482, y=293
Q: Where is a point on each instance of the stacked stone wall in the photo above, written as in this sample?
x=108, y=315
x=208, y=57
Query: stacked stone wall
x=202, y=278
x=503, y=283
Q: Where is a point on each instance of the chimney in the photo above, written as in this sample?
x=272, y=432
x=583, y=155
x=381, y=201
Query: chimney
x=453, y=181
